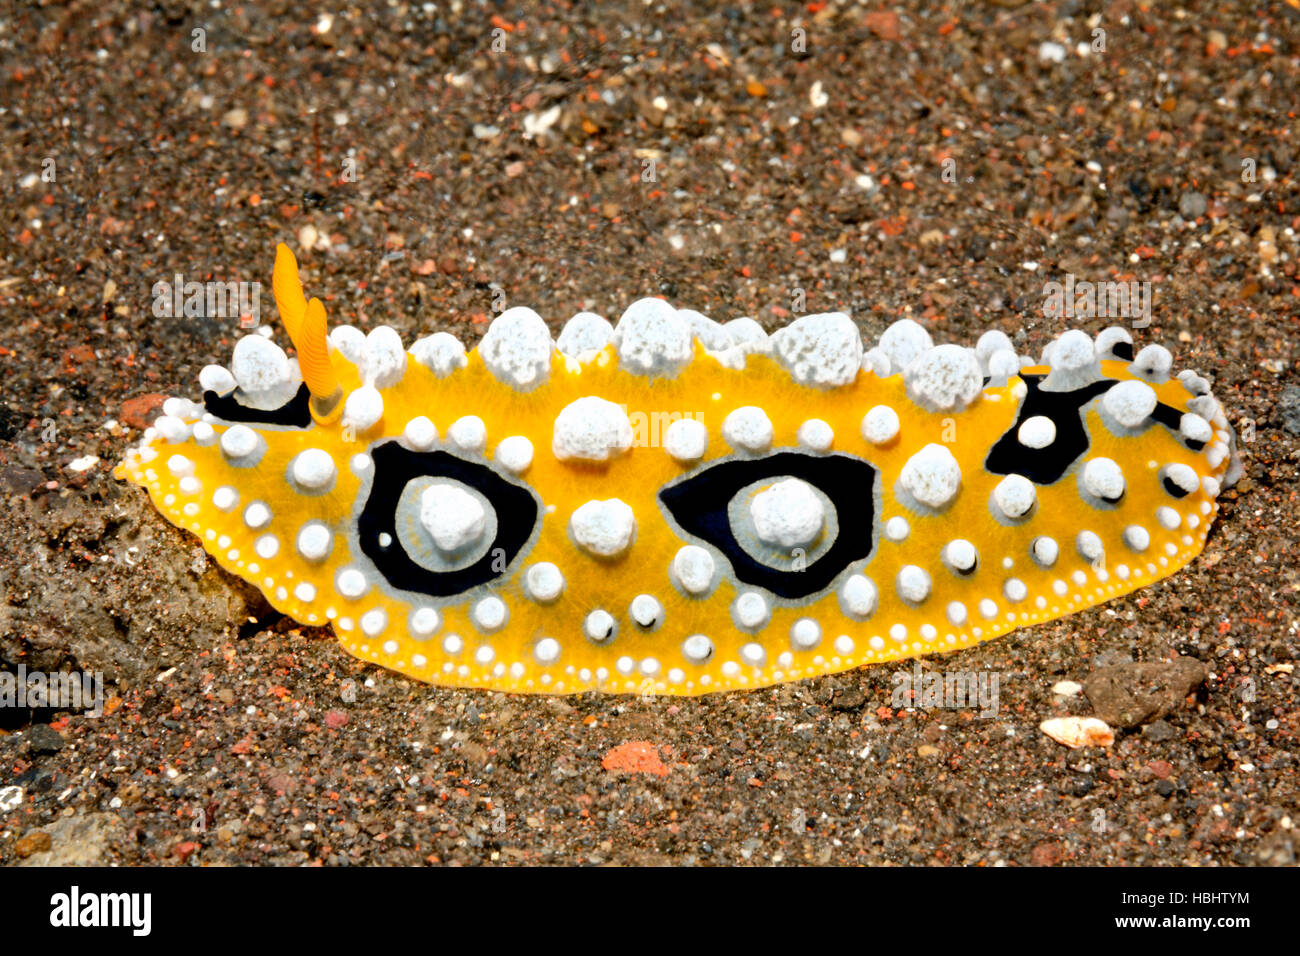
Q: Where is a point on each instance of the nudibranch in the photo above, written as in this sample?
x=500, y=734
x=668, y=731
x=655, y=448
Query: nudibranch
x=675, y=505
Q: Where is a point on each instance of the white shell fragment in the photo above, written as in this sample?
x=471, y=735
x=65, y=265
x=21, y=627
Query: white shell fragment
x=1076, y=732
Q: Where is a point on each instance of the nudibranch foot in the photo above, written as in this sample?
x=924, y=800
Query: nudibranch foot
x=672, y=505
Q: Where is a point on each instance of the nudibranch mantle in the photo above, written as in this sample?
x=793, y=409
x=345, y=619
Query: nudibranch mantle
x=670, y=505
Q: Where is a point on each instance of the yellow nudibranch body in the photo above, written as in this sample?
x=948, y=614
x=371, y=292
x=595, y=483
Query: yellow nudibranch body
x=677, y=506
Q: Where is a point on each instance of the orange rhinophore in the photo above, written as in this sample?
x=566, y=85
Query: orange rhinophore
x=675, y=505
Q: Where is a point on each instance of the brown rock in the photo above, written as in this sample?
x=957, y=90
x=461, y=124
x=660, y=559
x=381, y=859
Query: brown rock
x=883, y=23
x=38, y=841
x=1135, y=693
x=139, y=412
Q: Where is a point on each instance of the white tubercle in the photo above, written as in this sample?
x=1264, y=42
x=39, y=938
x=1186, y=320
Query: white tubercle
x=363, y=408
x=1015, y=495
x=454, y=518
x=517, y=348
x=1003, y=364
x=944, y=378
x=991, y=342
x=1073, y=360
x=1130, y=403
x=239, y=441
x=385, y=361
x=816, y=435
x=591, y=429
x=420, y=433
x=788, y=514
x=262, y=371
x=1153, y=364
x=313, y=469
x=1038, y=431
x=603, y=528
x=514, y=454
x=350, y=342
x=653, y=339
x=880, y=425
x=932, y=476
x=904, y=341
x=217, y=378
x=820, y=350
x=584, y=334
x=693, y=567
x=748, y=429
x=468, y=433
x=1108, y=338
x=441, y=353
x=1103, y=478
x=686, y=440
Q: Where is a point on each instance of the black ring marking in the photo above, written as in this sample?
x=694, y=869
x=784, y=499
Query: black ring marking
x=699, y=506
x=1122, y=350
x=295, y=413
x=515, y=505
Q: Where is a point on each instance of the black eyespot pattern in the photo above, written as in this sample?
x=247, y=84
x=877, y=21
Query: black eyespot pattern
x=516, y=509
x=1044, y=466
x=699, y=505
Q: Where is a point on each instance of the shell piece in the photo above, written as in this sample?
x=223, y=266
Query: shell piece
x=1076, y=732
x=652, y=517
